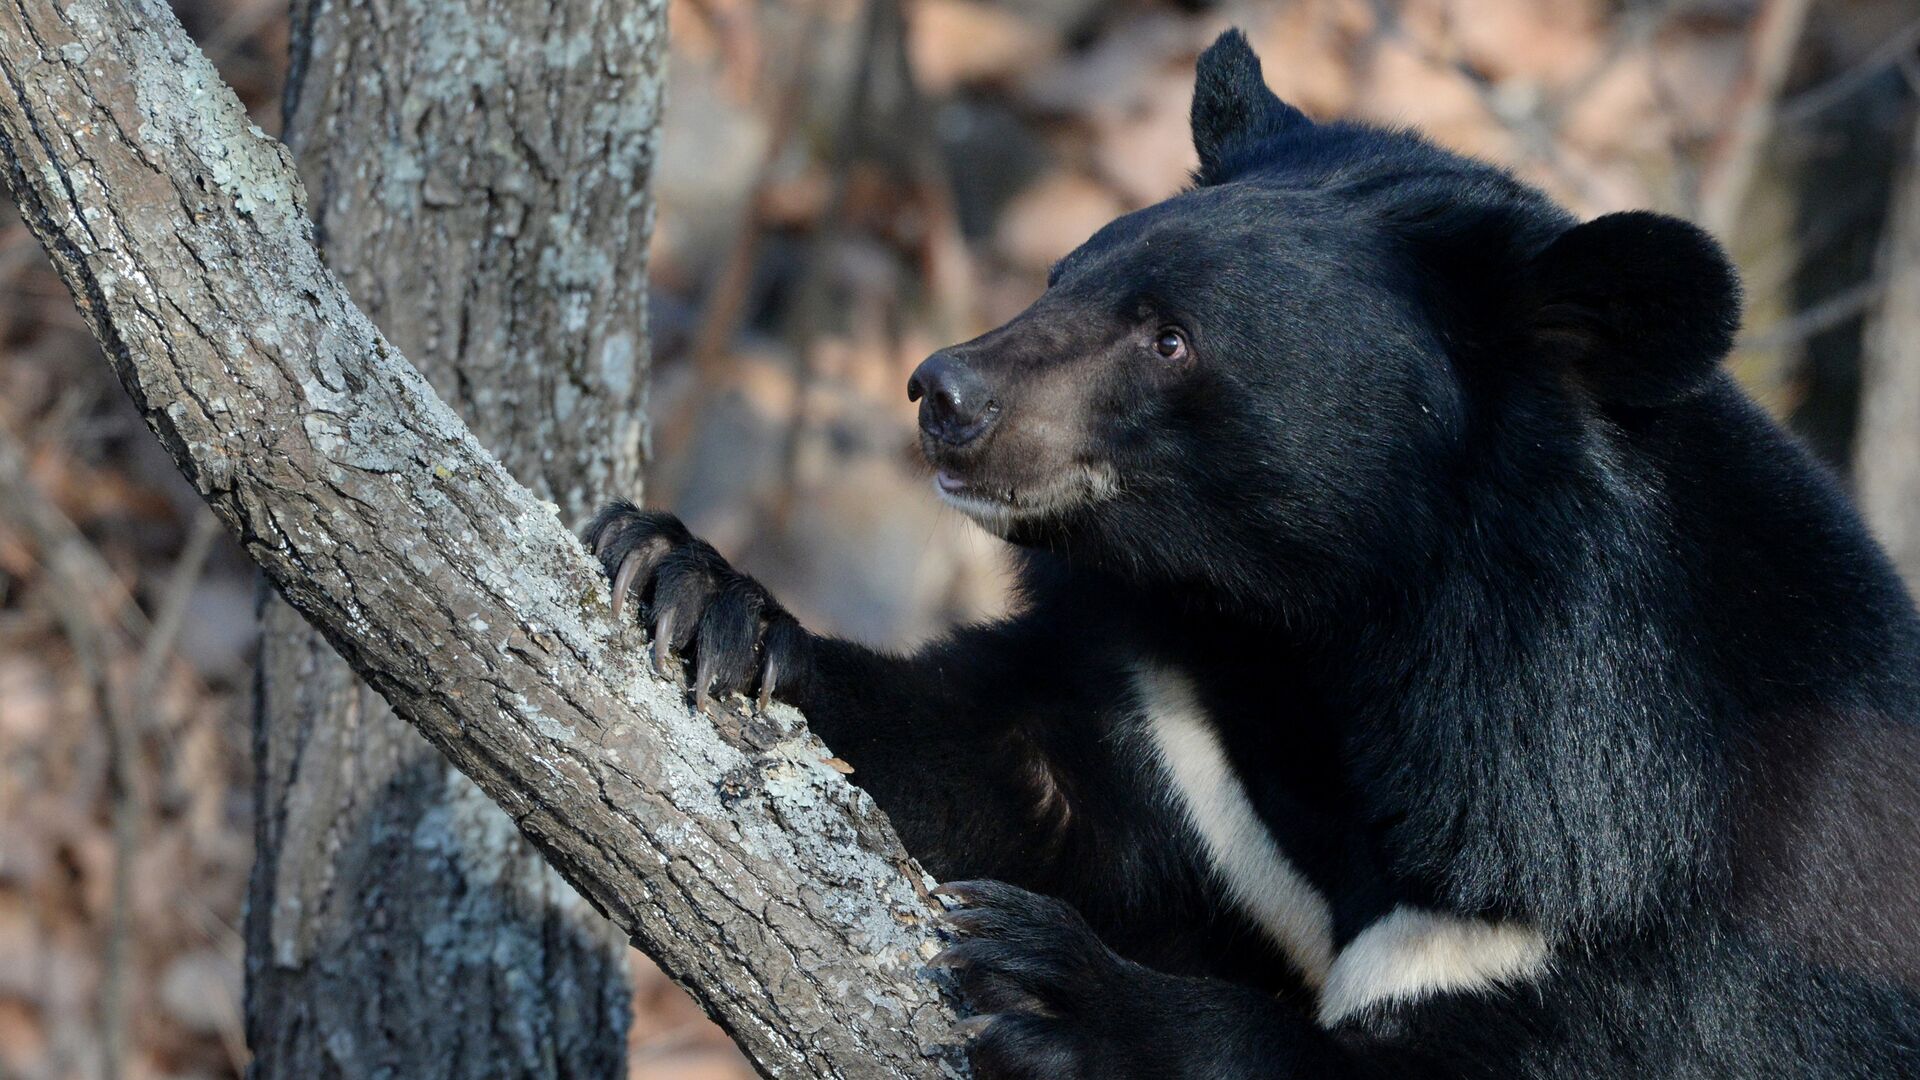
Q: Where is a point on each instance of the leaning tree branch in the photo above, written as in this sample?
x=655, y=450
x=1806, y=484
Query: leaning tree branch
x=727, y=848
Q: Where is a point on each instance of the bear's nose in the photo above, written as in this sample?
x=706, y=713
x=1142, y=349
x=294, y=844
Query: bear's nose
x=954, y=405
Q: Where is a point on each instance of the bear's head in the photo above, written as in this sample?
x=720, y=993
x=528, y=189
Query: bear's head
x=1287, y=373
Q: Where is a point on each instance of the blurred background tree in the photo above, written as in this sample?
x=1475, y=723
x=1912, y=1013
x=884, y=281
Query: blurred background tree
x=479, y=173
x=843, y=185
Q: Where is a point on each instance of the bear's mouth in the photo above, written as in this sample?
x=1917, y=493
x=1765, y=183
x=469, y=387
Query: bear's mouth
x=997, y=507
x=949, y=482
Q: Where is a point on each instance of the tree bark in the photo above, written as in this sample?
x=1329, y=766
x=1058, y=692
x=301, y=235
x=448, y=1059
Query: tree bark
x=478, y=175
x=727, y=847
x=1887, y=447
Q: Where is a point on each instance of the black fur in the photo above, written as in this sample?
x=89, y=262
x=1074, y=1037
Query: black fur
x=1501, y=599
x=1642, y=306
x=1233, y=111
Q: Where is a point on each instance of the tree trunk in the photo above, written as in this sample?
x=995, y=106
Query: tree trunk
x=1887, y=448
x=478, y=175
x=728, y=848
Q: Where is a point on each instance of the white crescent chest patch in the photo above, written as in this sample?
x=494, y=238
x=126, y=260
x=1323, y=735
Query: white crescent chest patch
x=1240, y=848
x=1409, y=954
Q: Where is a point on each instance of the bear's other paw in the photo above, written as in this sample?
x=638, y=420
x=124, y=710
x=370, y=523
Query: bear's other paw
x=692, y=600
x=1041, y=984
x=1050, y=1000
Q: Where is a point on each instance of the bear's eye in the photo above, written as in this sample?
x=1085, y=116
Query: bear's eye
x=1170, y=343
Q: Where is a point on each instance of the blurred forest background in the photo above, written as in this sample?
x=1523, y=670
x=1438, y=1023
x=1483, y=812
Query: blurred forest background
x=845, y=186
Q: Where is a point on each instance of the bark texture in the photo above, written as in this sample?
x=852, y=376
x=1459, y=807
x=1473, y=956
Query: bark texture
x=726, y=848
x=1887, y=448
x=478, y=176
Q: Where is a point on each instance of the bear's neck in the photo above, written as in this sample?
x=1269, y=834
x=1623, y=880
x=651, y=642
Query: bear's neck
x=1686, y=578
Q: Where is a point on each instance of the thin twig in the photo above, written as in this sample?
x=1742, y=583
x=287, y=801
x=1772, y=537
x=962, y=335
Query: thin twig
x=75, y=571
x=1818, y=319
x=232, y=946
x=123, y=744
x=946, y=263
x=726, y=302
x=35, y=516
x=1734, y=158
x=1886, y=449
x=171, y=613
x=805, y=317
x=1810, y=103
x=83, y=586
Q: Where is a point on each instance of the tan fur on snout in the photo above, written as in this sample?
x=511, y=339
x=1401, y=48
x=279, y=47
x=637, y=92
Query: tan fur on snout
x=1041, y=458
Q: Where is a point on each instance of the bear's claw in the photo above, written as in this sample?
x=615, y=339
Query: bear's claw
x=691, y=599
x=1037, y=978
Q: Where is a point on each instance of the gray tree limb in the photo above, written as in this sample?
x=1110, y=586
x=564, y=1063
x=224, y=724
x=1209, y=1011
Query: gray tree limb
x=727, y=849
x=478, y=172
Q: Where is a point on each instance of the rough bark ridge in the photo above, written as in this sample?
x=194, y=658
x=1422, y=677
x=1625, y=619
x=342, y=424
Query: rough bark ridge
x=727, y=849
x=478, y=175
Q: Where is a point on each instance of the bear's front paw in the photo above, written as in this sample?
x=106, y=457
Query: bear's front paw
x=691, y=599
x=1044, y=989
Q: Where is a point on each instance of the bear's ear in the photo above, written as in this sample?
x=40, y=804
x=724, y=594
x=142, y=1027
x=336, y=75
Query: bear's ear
x=1232, y=107
x=1641, y=306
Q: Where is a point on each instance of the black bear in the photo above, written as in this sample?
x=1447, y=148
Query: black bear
x=1430, y=664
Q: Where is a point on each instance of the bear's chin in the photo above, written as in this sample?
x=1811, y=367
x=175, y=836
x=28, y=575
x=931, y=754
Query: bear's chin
x=992, y=515
x=1015, y=511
